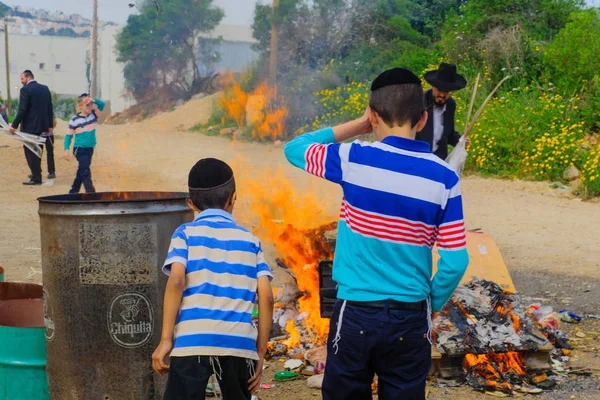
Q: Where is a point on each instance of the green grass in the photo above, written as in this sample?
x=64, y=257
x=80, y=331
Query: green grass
x=216, y=131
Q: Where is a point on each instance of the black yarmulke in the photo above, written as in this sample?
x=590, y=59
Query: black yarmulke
x=209, y=173
x=395, y=76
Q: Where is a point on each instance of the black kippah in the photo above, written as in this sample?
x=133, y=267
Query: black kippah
x=209, y=173
x=395, y=76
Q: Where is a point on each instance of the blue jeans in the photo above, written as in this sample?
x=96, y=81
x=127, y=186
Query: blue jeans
x=84, y=173
x=390, y=343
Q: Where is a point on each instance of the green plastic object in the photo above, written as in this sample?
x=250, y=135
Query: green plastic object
x=285, y=375
x=23, y=364
x=255, y=312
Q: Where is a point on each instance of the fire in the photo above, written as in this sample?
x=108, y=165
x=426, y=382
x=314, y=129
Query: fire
x=284, y=216
x=494, y=368
x=294, y=339
x=514, y=318
x=262, y=110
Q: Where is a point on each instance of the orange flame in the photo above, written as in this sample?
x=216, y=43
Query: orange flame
x=285, y=214
x=262, y=110
x=489, y=366
x=294, y=339
x=515, y=319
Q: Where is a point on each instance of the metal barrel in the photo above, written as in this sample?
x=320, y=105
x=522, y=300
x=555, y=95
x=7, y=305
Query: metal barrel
x=22, y=343
x=102, y=255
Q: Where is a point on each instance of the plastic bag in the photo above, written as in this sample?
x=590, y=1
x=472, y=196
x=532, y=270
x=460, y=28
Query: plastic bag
x=458, y=157
x=544, y=316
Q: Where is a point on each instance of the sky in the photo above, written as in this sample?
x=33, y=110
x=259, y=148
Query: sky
x=237, y=12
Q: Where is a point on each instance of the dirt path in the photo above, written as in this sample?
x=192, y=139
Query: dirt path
x=550, y=241
x=539, y=230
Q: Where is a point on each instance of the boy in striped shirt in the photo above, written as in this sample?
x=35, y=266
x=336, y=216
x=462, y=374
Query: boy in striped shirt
x=399, y=200
x=216, y=270
x=83, y=127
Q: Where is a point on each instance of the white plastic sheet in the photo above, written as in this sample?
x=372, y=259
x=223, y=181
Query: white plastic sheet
x=458, y=157
x=32, y=142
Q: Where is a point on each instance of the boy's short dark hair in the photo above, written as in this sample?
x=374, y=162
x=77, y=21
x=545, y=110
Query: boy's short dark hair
x=211, y=184
x=398, y=104
x=28, y=74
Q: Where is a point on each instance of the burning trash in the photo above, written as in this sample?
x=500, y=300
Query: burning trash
x=263, y=111
x=480, y=319
x=497, y=335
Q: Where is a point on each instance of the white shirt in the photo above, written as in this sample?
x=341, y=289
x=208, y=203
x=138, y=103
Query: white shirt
x=438, y=125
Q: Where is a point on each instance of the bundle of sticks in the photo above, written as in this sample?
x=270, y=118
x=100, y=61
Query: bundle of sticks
x=32, y=142
x=458, y=157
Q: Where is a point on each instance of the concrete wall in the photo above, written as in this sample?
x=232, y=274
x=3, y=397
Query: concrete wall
x=65, y=62
x=63, y=59
x=111, y=81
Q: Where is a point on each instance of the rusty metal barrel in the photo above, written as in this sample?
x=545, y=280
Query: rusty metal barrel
x=102, y=255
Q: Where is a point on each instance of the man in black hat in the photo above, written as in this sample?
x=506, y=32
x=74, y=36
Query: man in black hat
x=439, y=131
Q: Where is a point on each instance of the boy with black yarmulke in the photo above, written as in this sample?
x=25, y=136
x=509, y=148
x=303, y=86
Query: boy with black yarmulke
x=216, y=270
x=399, y=200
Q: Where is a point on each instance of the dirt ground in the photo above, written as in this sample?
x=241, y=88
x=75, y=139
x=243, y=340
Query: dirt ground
x=550, y=240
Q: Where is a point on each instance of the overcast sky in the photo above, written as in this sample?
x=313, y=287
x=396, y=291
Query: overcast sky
x=237, y=12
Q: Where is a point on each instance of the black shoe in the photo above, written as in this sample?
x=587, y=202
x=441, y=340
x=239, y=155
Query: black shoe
x=52, y=176
x=32, y=183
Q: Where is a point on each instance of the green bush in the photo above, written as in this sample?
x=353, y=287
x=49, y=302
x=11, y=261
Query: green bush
x=573, y=58
x=365, y=63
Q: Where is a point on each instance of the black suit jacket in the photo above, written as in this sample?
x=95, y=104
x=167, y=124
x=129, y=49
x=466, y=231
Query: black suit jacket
x=35, y=113
x=449, y=136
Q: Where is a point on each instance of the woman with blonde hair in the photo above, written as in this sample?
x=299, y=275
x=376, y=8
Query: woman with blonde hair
x=83, y=127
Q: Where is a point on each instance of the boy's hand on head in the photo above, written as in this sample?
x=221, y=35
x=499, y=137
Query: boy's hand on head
x=254, y=381
x=365, y=122
x=158, y=357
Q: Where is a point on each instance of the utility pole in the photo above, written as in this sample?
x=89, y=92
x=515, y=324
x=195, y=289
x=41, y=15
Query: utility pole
x=8, y=100
x=274, y=43
x=94, y=77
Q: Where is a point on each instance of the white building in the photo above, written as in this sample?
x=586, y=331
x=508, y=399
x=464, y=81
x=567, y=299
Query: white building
x=62, y=63
x=235, y=48
x=58, y=62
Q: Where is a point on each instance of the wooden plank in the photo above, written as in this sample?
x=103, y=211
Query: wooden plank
x=486, y=262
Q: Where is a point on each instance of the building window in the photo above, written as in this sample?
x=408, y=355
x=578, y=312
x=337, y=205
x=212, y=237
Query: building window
x=58, y=67
x=42, y=65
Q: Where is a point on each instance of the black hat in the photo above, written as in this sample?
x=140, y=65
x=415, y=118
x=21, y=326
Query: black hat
x=445, y=78
x=395, y=76
x=209, y=173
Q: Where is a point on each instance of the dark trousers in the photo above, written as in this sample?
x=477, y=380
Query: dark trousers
x=50, y=154
x=390, y=343
x=84, y=173
x=34, y=163
x=188, y=377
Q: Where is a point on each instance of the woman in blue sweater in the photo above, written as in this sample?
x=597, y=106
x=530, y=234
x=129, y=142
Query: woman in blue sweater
x=83, y=127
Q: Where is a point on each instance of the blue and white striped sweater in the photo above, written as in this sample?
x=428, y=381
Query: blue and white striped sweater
x=223, y=262
x=399, y=200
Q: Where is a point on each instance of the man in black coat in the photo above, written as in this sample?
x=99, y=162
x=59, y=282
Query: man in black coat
x=441, y=107
x=36, y=117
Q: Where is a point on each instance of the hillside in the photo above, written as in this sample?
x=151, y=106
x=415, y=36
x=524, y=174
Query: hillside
x=30, y=21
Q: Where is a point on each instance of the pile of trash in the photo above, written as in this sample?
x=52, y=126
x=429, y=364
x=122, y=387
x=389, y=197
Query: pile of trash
x=481, y=318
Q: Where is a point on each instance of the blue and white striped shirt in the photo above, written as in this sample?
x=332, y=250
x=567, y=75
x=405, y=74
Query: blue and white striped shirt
x=399, y=200
x=223, y=262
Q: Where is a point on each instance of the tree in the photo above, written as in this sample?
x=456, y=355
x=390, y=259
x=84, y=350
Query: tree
x=573, y=58
x=311, y=33
x=160, y=49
